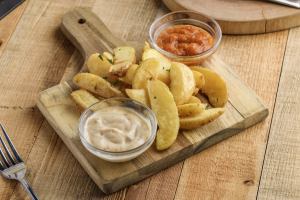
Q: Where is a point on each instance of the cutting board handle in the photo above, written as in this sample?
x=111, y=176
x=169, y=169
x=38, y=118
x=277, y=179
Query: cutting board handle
x=88, y=33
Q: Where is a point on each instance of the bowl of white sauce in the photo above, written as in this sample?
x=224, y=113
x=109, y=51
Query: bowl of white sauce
x=117, y=129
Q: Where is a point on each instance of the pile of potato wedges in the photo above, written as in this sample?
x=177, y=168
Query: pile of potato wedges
x=169, y=88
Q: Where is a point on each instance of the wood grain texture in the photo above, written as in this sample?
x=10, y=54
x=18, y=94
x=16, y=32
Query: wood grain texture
x=243, y=110
x=8, y=25
x=231, y=169
x=45, y=152
x=281, y=171
x=242, y=17
x=33, y=59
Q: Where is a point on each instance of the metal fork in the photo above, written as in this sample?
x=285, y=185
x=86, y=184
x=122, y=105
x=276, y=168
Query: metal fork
x=13, y=167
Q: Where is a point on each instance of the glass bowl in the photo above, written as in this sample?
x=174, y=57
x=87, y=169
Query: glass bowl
x=186, y=18
x=120, y=156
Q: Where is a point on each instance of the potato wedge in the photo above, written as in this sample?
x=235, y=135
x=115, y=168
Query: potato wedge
x=119, y=69
x=149, y=69
x=164, y=107
x=182, y=82
x=152, y=53
x=83, y=98
x=200, y=119
x=194, y=99
x=165, y=63
x=215, y=87
x=125, y=53
x=99, y=65
x=190, y=109
x=139, y=95
x=199, y=79
x=96, y=85
x=129, y=74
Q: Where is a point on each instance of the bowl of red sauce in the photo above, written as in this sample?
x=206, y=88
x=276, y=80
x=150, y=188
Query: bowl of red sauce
x=185, y=36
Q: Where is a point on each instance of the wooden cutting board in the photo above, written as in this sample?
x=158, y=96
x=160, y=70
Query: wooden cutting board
x=90, y=35
x=242, y=16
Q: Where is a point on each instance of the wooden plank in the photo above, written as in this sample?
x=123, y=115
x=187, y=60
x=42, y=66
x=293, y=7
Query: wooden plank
x=33, y=59
x=242, y=17
x=231, y=169
x=281, y=171
x=8, y=25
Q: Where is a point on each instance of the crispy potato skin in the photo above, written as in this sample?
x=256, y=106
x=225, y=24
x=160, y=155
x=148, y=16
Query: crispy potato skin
x=190, y=109
x=164, y=107
x=215, y=87
x=97, y=85
x=182, y=82
x=199, y=79
x=200, y=119
x=83, y=98
x=139, y=95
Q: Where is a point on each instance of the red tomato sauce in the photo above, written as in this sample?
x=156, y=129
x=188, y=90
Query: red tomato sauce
x=185, y=40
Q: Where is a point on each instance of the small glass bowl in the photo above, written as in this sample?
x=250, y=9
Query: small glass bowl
x=186, y=18
x=123, y=155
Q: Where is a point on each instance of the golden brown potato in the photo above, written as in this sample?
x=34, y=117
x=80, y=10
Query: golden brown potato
x=194, y=99
x=165, y=63
x=125, y=53
x=148, y=70
x=139, y=95
x=182, y=82
x=201, y=118
x=99, y=65
x=96, y=85
x=215, y=87
x=129, y=74
x=119, y=69
x=152, y=53
x=83, y=98
x=164, y=107
x=123, y=58
x=190, y=109
x=199, y=79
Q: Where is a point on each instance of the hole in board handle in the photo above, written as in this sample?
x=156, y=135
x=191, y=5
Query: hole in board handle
x=81, y=21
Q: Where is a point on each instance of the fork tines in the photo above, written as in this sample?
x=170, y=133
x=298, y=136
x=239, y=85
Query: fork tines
x=13, y=158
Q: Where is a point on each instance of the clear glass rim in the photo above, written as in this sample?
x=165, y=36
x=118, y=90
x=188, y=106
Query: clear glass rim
x=217, y=29
x=149, y=141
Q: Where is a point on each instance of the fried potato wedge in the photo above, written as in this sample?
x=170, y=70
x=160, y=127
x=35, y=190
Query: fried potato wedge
x=194, y=99
x=165, y=63
x=199, y=79
x=149, y=69
x=99, y=65
x=190, y=109
x=125, y=53
x=83, y=98
x=201, y=118
x=164, y=107
x=139, y=95
x=96, y=85
x=182, y=82
x=119, y=69
x=152, y=53
x=215, y=87
x=129, y=74
x=123, y=58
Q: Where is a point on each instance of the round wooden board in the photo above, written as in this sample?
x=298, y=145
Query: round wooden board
x=242, y=16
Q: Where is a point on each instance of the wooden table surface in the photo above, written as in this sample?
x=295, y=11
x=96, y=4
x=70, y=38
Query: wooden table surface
x=262, y=162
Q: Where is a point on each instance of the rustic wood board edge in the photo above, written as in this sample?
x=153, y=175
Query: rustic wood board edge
x=250, y=26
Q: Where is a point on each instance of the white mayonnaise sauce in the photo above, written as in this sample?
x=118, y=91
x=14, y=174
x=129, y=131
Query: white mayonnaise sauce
x=116, y=129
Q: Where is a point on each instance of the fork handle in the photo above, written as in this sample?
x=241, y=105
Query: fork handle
x=28, y=189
